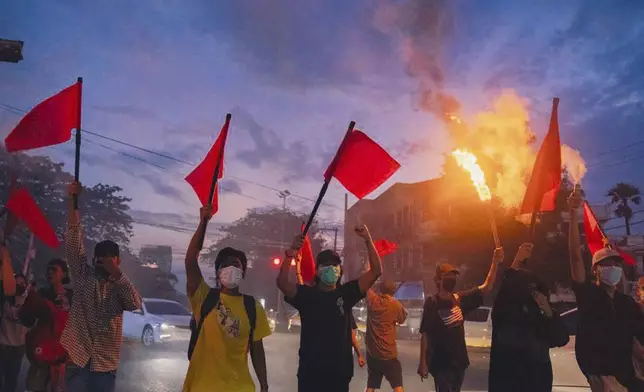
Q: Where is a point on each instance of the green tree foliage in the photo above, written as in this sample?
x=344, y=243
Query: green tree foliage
x=104, y=215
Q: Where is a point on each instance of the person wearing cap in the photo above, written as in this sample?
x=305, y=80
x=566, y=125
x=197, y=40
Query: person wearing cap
x=326, y=360
x=608, y=319
x=384, y=312
x=46, y=312
x=93, y=335
x=524, y=329
x=443, y=351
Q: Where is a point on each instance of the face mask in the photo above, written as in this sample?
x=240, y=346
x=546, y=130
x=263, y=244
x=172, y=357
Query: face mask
x=610, y=275
x=449, y=283
x=230, y=276
x=329, y=274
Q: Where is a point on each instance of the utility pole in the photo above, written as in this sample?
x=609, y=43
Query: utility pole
x=282, y=322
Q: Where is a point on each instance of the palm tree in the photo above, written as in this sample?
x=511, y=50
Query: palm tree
x=621, y=195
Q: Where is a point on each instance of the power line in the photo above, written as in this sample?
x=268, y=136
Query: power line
x=18, y=111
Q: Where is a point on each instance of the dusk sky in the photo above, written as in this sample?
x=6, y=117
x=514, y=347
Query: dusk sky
x=162, y=75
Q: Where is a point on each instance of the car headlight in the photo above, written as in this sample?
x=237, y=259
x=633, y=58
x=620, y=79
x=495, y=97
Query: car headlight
x=165, y=326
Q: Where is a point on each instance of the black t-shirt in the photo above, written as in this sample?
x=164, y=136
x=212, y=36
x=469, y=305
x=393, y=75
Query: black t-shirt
x=325, y=339
x=443, y=323
x=605, y=331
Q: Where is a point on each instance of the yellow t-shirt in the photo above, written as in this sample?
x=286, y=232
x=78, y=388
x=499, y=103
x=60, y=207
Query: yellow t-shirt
x=220, y=357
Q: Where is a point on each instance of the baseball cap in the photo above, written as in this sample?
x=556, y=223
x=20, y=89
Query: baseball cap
x=106, y=248
x=328, y=257
x=605, y=253
x=445, y=268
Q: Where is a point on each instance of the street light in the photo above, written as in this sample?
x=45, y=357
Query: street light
x=10, y=51
x=276, y=261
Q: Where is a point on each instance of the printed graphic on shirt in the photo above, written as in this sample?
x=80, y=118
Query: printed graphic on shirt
x=13, y=312
x=62, y=302
x=340, y=304
x=229, y=324
x=451, y=317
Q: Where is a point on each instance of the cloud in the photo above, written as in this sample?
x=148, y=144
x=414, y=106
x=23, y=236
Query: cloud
x=128, y=111
x=296, y=160
x=231, y=186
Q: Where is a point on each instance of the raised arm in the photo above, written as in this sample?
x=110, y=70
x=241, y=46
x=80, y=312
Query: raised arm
x=287, y=287
x=577, y=268
x=497, y=258
x=193, y=271
x=524, y=253
x=74, y=247
x=367, y=279
x=8, y=278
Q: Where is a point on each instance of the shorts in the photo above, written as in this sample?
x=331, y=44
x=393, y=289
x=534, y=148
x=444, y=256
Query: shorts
x=37, y=378
x=391, y=369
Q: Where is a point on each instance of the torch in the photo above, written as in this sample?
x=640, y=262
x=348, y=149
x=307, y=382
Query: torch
x=467, y=161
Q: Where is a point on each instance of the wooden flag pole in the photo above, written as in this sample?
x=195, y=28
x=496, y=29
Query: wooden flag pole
x=78, y=140
x=213, y=186
x=325, y=186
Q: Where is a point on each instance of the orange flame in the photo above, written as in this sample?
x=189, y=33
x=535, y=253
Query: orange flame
x=467, y=161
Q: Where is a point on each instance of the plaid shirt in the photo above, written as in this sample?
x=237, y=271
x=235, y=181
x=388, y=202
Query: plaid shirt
x=94, y=331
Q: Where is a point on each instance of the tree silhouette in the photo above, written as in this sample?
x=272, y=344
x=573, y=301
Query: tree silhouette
x=621, y=195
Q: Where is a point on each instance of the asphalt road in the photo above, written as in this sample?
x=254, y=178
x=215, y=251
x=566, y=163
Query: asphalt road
x=161, y=368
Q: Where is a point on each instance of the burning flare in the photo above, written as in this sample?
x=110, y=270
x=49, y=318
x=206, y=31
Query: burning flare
x=467, y=161
x=574, y=163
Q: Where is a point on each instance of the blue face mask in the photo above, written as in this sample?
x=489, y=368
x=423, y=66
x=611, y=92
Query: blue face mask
x=329, y=274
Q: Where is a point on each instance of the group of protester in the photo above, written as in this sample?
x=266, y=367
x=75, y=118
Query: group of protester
x=525, y=326
x=72, y=338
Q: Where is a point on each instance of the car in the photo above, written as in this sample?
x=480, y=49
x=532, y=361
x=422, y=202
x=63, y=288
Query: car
x=478, y=327
x=155, y=321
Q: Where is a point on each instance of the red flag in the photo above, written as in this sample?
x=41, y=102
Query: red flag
x=201, y=177
x=385, y=247
x=48, y=123
x=361, y=165
x=546, y=174
x=22, y=205
x=596, y=238
x=307, y=264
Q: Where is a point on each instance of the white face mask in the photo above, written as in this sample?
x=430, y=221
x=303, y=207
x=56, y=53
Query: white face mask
x=230, y=276
x=610, y=275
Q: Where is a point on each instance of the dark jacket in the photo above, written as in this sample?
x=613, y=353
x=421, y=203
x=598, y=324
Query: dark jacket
x=522, y=337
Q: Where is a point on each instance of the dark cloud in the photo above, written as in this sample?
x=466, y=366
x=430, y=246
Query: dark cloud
x=161, y=186
x=296, y=159
x=300, y=44
x=231, y=186
x=128, y=111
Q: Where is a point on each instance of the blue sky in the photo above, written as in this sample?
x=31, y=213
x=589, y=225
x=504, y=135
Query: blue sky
x=162, y=75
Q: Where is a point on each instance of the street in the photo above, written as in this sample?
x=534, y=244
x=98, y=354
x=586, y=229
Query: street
x=161, y=368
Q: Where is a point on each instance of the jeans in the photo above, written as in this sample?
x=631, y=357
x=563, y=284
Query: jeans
x=84, y=380
x=10, y=364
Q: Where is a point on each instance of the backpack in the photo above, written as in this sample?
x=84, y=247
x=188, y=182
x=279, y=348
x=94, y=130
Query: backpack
x=211, y=301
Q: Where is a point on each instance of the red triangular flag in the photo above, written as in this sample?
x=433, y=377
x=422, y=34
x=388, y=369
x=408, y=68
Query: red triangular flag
x=361, y=165
x=201, y=177
x=596, y=238
x=22, y=205
x=385, y=247
x=48, y=123
x=307, y=264
x=545, y=179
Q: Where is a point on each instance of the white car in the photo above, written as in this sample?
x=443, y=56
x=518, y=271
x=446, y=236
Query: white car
x=155, y=321
x=478, y=327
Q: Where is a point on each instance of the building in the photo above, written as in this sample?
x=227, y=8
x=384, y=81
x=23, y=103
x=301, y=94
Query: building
x=405, y=214
x=412, y=215
x=160, y=255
